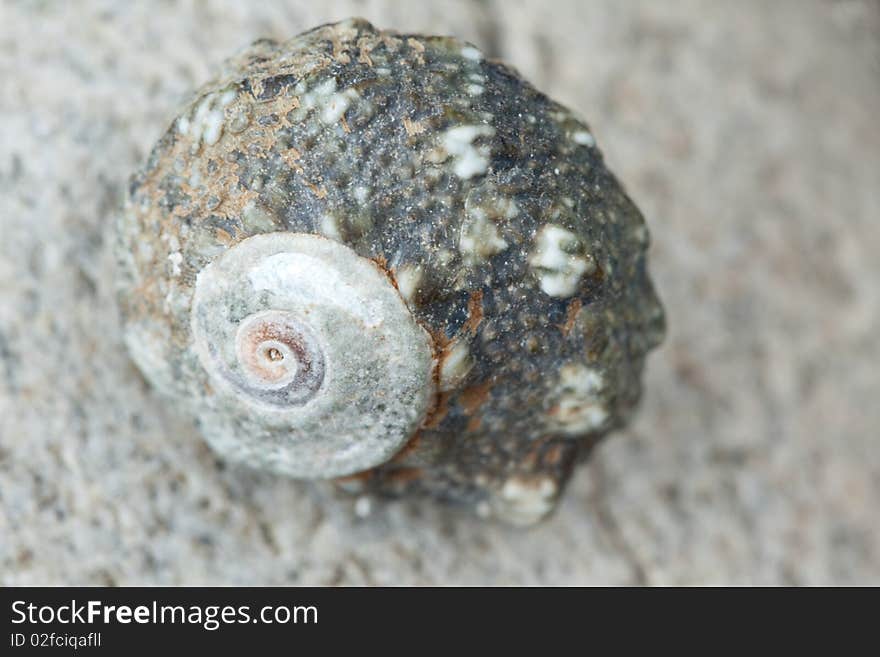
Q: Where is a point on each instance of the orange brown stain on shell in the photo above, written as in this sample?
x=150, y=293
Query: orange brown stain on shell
x=537, y=455
x=418, y=51
x=475, y=312
x=223, y=236
x=364, y=53
x=291, y=157
x=285, y=108
x=391, y=42
x=553, y=411
x=440, y=407
x=439, y=344
x=340, y=54
x=145, y=297
x=571, y=313
x=382, y=263
x=472, y=398
x=411, y=446
x=403, y=475
x=357, y=477
x=319, y=192
x=438, y=412
x=554, y=454
x=412, y=128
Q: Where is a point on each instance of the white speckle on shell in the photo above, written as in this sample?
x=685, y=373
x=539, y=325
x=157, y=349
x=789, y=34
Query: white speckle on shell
x=479, y=237
x=330, y=227
x=330, y=104
x=469, y=52
x=409, y=277
x=253, y=217
x=579, y=408
x=336, y=106
x=524, y=499
x=557, y=261
x=583, y=138
x=363, y=507
x=468, y=160
x=456, y=364
x=361, y=194
x=205, y=124
x=239, y=121
x=640, y=235
x=319, y=369
x=175, y=258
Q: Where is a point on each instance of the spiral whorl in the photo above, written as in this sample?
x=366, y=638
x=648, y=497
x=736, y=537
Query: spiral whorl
x=302, y=332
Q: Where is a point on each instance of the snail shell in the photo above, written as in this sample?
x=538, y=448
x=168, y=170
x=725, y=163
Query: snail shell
x=385, y=259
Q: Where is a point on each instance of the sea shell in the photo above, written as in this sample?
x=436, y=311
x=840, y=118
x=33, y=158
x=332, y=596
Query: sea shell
x=386, y=258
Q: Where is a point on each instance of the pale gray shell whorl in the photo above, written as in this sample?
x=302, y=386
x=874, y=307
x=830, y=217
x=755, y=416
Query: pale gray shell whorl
x=303, y=332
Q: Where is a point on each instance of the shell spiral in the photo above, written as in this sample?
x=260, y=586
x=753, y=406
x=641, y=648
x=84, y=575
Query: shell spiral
x=387, y=258
x=317, y=342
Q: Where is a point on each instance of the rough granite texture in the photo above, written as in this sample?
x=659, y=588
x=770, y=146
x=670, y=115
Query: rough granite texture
x=747, y=133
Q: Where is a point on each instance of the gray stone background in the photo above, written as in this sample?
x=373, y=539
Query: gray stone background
x=747, y=132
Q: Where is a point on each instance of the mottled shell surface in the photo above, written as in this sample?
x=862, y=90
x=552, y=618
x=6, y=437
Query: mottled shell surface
x=382, y=256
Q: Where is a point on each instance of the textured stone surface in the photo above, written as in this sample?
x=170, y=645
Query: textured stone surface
x=746, y=132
